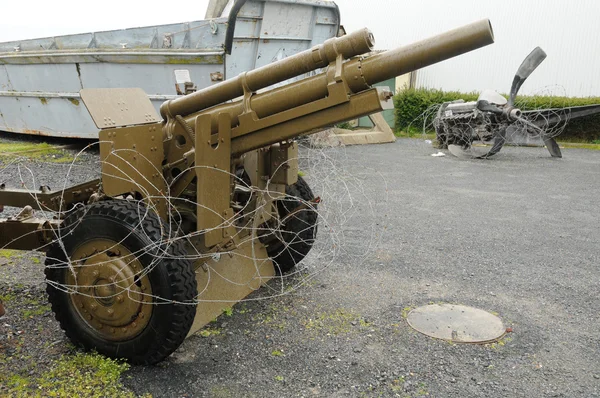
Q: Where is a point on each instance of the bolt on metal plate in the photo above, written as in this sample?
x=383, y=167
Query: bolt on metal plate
x=457, y=324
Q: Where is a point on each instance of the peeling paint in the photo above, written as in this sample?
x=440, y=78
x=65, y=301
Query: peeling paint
x=216, y=59
x=78, y=68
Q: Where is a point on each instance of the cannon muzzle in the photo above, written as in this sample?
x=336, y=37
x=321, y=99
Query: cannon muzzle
x=427, y=52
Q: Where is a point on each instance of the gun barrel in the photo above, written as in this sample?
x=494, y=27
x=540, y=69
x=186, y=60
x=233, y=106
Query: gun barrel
x=360, y=74
x=427, y=52
x=357, y=43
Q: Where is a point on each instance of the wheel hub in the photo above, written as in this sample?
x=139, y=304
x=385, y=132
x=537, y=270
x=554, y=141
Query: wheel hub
x=104, y=292
x=113, y=295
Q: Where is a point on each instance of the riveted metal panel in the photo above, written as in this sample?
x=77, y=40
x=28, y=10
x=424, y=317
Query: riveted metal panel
x=119, y=107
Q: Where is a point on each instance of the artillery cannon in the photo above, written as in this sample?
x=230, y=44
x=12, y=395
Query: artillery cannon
x=197, y=209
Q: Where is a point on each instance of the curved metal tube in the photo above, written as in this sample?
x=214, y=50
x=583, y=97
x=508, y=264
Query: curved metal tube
x=232, y=19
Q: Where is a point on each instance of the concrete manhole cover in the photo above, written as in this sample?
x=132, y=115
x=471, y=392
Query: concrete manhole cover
x=457, y=323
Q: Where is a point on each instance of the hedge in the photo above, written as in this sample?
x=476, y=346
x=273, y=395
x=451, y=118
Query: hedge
x=413, y=109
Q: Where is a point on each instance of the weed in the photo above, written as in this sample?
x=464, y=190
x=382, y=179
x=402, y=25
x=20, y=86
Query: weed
x=36, y=311
x=228, y=311
x=335, y=323
x=89, y=375
x=344, y=126
x=221, y=392
x=397, y=384
x=499, y=344
x=7, y=297
x=210, y=332
x=406, y=311
x=10, y=254
x=277, y=353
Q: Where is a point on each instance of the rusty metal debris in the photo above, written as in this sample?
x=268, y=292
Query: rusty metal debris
x=480, y=129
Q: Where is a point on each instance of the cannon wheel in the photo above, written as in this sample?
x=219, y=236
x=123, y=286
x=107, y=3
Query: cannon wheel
x=299, y=216
x=117, y=287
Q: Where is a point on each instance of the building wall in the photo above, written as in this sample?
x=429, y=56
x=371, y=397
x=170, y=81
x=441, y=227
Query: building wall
x=568, y=31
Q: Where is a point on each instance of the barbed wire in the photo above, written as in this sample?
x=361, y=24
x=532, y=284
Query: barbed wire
x=328, y=171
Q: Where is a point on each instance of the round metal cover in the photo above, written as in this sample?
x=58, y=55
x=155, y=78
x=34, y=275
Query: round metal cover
x=457, y=323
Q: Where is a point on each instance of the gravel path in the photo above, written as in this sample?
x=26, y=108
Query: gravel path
x=516, y=235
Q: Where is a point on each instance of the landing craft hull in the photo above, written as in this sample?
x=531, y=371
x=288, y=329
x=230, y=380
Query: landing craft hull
x=40, y=79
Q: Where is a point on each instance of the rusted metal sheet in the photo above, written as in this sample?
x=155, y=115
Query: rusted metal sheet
x=40, y=79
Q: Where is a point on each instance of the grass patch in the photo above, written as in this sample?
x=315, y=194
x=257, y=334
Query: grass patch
x=580, y=145
x=274, y=316
x=414, y=133
x=34, y=151
x=406, y=311
x=7, y=297
x=10, y=254
x=79, y=375
x=335, y=323
x=41, y=310
x=500, y=343
x=345, y=126
x=208, y=332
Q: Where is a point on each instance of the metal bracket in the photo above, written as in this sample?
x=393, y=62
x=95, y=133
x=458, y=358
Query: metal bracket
x=119, y=107
x=248, y=94
x=213, y=164
x=132, y=164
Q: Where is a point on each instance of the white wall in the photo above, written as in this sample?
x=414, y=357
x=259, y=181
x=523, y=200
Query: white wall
x=569, y=31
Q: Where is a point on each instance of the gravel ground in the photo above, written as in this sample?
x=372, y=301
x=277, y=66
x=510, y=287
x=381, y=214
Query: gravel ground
x=516, y=235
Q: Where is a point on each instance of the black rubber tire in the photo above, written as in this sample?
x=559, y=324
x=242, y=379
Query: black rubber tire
x=299, y=230
x=172, y=279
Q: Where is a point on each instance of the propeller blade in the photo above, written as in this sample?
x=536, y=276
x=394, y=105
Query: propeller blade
x=551, y=117
x=530, y=64
x=550, y=142
x=479, y=152
x=552, y=147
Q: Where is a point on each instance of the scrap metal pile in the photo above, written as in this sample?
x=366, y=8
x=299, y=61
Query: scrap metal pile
x=481, y=128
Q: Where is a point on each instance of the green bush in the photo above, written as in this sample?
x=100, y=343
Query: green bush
x=413, y=109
